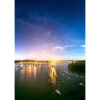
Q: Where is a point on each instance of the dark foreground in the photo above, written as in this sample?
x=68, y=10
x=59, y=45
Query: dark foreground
x=47, y=81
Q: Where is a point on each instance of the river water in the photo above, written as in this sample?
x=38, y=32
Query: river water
x=48, y=81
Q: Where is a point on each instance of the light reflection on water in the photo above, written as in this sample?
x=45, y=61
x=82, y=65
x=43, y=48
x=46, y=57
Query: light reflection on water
x=30, y=71
x=45, y=78
x=52, y=73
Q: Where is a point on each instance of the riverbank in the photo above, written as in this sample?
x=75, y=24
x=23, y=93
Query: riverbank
x=78, y=66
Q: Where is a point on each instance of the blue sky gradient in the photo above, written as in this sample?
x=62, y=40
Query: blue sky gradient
x=49, y=29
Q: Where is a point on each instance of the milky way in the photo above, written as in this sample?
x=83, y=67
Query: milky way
x=49, y=28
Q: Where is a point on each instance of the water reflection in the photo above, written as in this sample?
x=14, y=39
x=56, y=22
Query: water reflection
x=53, y=73
x=34, y=70
x=28, y=72
x=47, y=80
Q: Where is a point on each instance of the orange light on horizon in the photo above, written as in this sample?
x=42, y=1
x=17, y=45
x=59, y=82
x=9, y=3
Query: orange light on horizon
x=38, y=55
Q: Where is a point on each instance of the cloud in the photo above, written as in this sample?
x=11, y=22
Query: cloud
x=83, y=46
x=58, y=48
x=62, y=47
x=76, y=57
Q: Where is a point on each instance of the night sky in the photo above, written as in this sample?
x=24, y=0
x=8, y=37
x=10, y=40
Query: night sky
x=46, y=29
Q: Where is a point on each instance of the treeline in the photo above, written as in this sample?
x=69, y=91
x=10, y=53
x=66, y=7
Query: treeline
x=30, y=61
x=78, y=66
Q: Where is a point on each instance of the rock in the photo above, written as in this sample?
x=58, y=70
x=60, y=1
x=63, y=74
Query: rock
x=81, y=84
x=58, y=92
